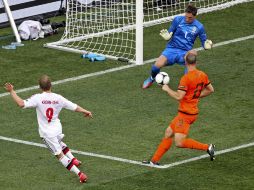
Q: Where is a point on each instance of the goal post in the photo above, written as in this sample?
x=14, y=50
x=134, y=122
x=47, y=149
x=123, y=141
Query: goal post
x=11, y=20
x=139, y=32
x=114, y=28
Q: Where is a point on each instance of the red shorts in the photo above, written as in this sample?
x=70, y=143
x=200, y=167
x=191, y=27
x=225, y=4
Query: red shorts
x=181, y=123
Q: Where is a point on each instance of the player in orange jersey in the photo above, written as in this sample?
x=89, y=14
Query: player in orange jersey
x=193, y=86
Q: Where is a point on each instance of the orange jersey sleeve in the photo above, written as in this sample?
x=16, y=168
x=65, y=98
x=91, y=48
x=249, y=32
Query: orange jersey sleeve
x=192, y=83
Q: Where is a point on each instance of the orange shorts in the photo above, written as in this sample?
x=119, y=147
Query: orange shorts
x=181, y=123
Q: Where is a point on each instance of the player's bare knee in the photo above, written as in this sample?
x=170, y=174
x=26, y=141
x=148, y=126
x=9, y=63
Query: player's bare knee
x=161, y=61
x=158, y=64
x=169, y=133
x=178, y=143
x=179, y=138
x=59, y=156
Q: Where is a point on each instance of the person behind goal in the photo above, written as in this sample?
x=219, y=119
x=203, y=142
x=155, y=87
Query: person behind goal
x=48, y=106
x=193, y=86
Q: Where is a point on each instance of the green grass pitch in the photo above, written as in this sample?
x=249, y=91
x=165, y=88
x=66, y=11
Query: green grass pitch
x=128, y=121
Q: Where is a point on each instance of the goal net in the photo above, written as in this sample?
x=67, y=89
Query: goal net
x=108, y=27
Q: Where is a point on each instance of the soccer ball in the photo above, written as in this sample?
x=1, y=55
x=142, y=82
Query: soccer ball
x=162, y=78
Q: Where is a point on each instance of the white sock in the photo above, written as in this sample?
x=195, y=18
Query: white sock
x=67, y=163
x=67, y=152
x=69, y=155
x=75, y=169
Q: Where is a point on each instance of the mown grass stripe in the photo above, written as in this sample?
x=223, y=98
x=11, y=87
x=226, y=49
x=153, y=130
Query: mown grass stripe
x=120, y=68
x=133, y=161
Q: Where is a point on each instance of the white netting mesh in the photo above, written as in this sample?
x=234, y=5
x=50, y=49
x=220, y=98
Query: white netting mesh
x=108, y=26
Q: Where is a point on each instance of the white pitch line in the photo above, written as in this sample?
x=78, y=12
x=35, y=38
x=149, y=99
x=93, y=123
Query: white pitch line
x=206, y=155
x=215, y=45
x=133, y=161
x=121, y=68
x=73, y=78
x=75, y=151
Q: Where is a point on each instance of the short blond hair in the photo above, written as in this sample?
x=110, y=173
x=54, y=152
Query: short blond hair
x=191, y=58
x=45, y=83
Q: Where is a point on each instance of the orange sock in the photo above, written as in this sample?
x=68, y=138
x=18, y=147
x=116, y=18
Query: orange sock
x=190, y=143
x=162, y=149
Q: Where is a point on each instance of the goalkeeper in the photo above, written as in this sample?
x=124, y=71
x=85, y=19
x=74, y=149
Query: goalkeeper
x=181, y=37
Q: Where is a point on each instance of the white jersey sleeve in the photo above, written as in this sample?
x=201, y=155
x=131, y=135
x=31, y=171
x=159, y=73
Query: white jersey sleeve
x=68, y=104
x=31, y=102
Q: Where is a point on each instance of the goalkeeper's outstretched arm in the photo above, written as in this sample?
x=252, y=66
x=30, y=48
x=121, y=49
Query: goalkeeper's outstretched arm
x=207, y=44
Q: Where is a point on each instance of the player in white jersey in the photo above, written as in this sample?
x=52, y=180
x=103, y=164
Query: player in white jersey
x=48, y=106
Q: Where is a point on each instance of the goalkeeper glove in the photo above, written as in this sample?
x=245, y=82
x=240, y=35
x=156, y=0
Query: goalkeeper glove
x=165, y=34
x=208, y=44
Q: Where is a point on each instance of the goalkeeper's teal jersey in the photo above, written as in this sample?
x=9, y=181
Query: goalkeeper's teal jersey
x=185, y=34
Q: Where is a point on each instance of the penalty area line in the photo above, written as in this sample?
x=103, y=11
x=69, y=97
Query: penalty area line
x=215, y=45
x=73, y=79
x=122, y=67
x=219, y=152
x=133, y=161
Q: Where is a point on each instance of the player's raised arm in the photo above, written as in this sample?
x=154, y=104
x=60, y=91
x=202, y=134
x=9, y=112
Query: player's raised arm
x=10, y=88
x=167, y=34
